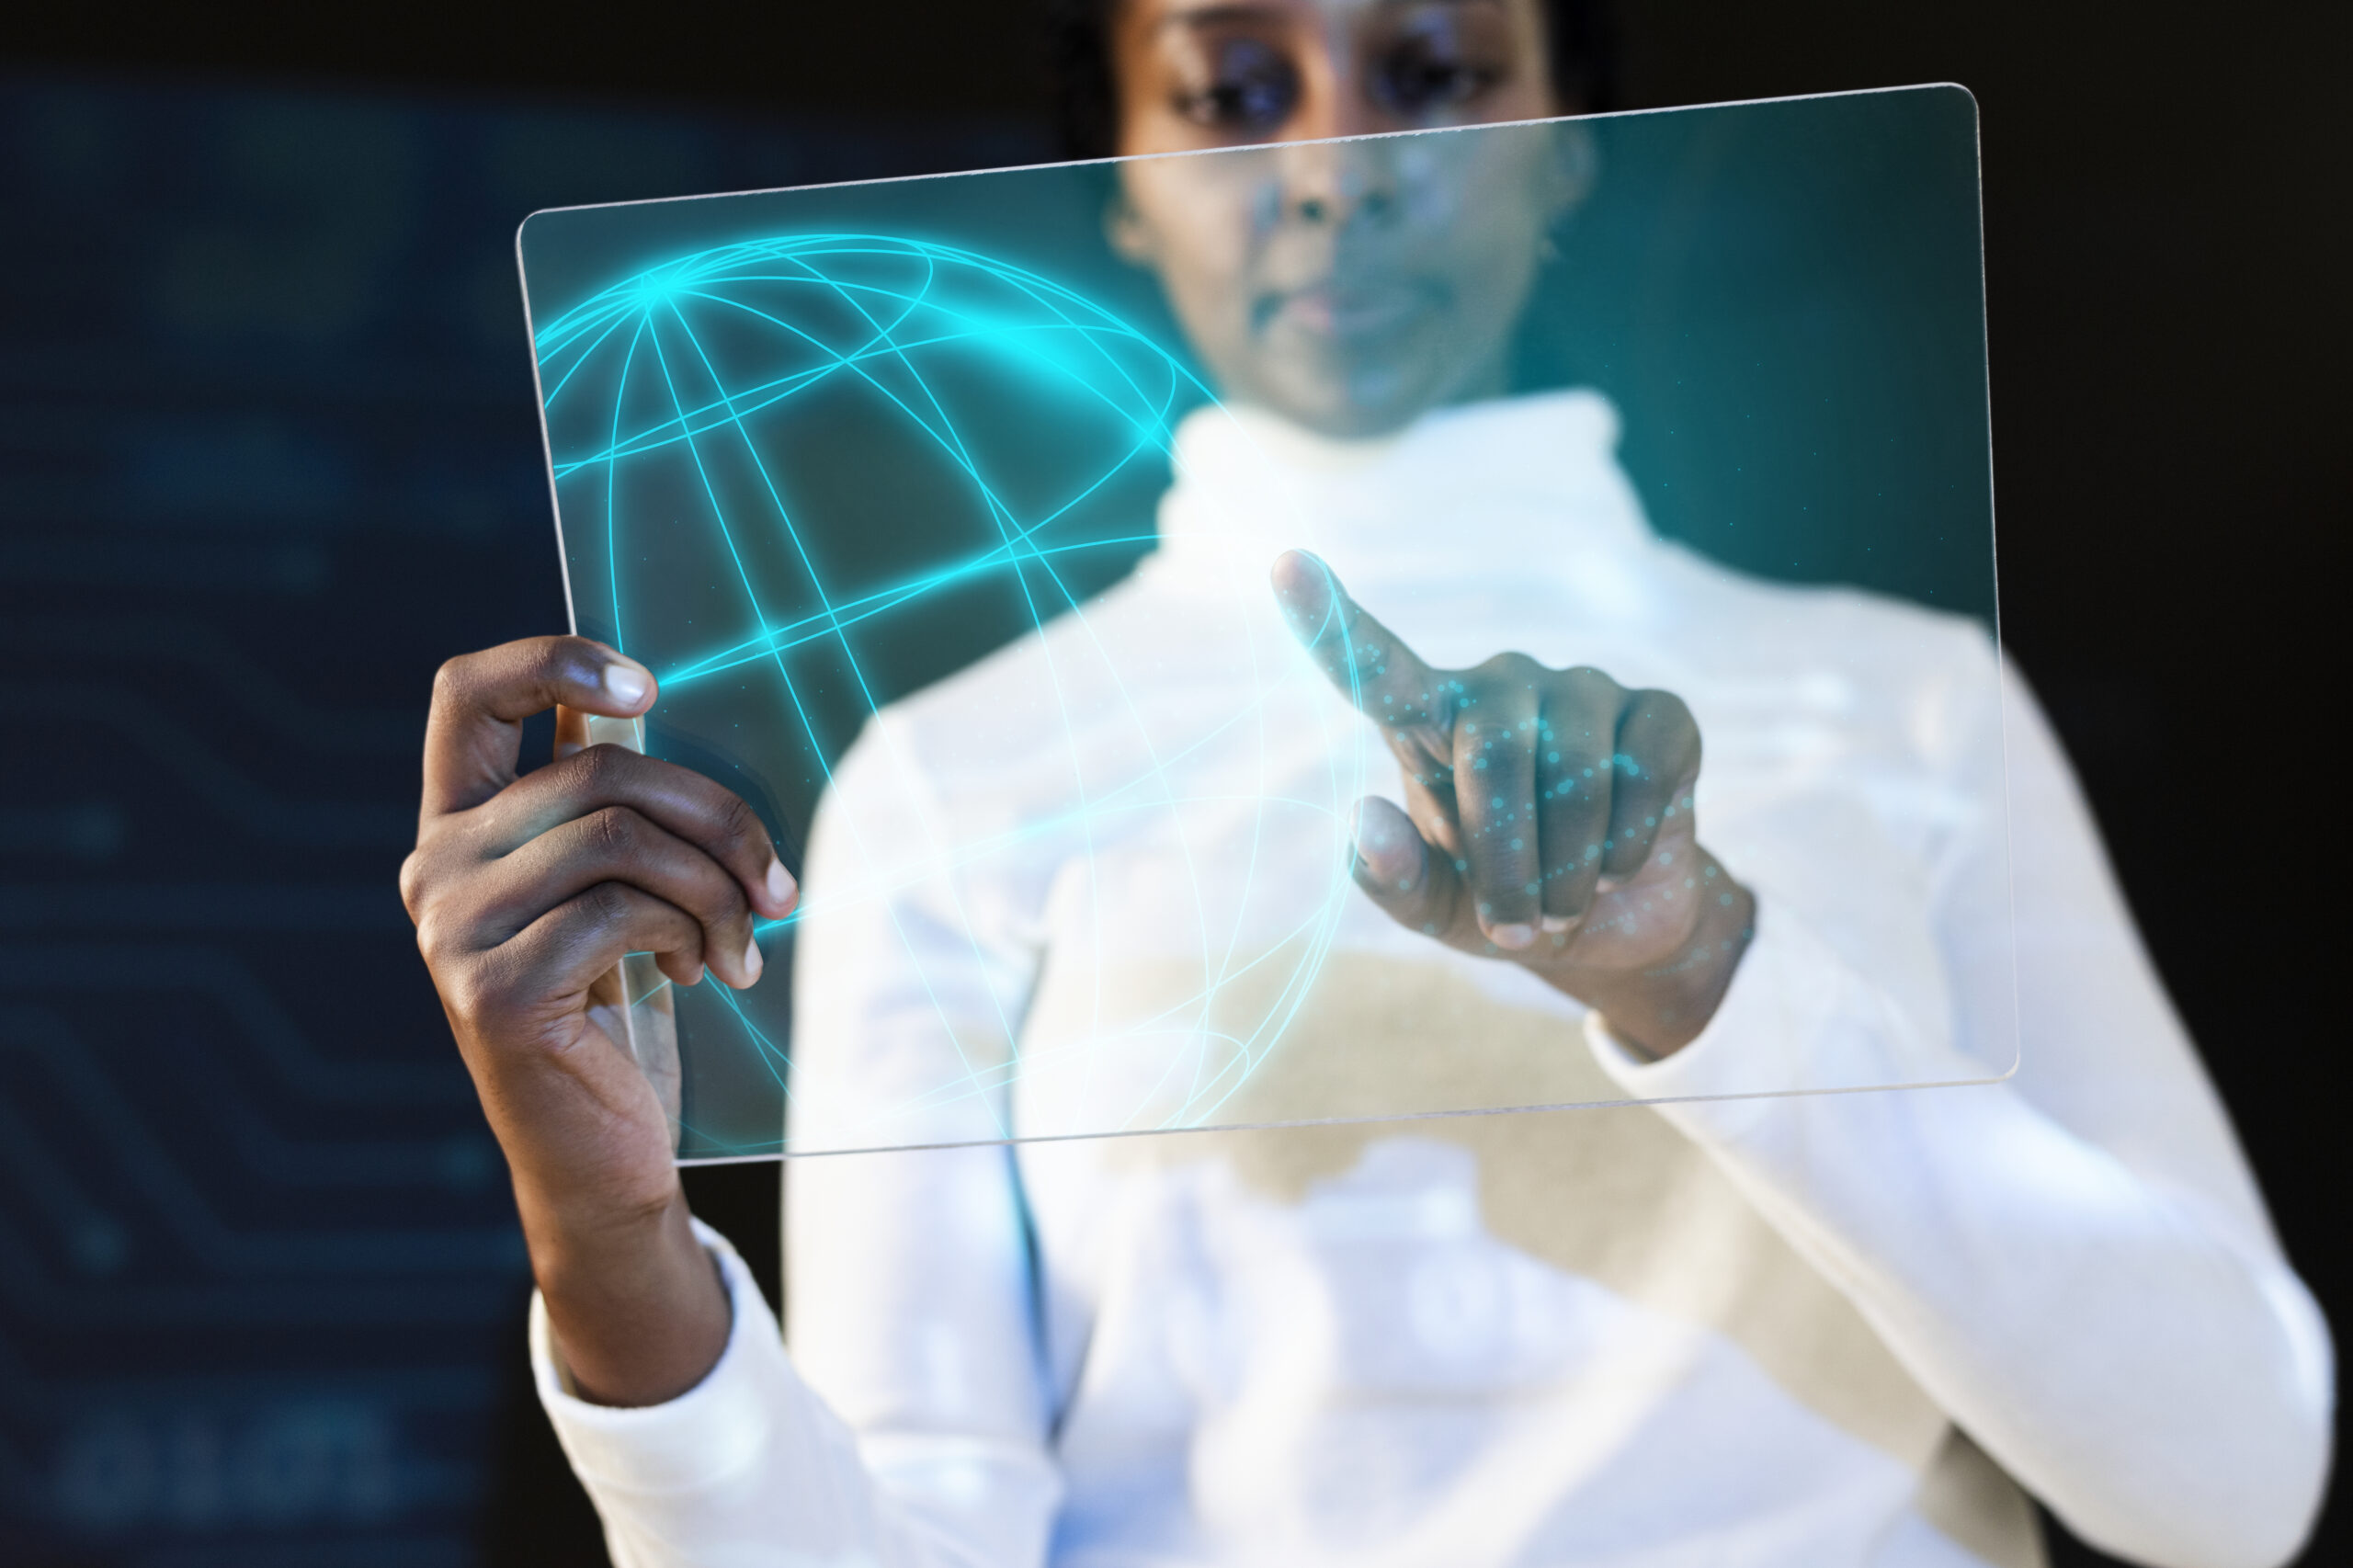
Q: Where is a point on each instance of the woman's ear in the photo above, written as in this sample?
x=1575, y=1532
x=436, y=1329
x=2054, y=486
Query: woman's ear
x=1131, y=237
x=1575, y=166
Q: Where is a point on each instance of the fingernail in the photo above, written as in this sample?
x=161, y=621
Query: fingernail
x=780, y=888
x=752, y=960
x=1383, y=851
x=1556, y=924
x=627, y=684
x=1513, y=936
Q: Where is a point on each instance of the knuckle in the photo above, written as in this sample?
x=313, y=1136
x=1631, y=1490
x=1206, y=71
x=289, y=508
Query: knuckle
x=413, y=881
x=453, y=679
x=602, y=767
x=615, y=830
x=1574, y=777
x=728, y=907
x=1581, y=710
x=432, y=939
x=1513, y=665
x=606, y=905
x=712, y=896
x=1665, y=708
x=464, y=993
x=596, y=764
x=492, y=989
x=1495, y=740
x=739, y=822
x=1505, y=741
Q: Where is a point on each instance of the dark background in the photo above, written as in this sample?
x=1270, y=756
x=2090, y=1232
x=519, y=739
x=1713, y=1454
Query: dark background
x=268, y=454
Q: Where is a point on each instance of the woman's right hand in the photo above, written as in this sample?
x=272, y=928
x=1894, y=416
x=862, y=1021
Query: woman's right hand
x=526, y=892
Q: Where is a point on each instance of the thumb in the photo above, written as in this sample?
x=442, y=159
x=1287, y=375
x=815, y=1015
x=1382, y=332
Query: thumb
x=1414, y=882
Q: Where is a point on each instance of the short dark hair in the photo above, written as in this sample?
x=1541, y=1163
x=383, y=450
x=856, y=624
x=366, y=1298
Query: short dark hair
x=1581, y=35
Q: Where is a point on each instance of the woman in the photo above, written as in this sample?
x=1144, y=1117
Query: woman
x=1806, y=1331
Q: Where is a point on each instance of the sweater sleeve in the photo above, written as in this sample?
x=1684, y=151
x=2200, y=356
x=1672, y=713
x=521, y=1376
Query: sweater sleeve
x=2074, y=1262
x=907, y=1426
x=750, y=1466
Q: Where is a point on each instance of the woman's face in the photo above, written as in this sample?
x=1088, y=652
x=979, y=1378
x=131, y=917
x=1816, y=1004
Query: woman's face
x=1348, y=287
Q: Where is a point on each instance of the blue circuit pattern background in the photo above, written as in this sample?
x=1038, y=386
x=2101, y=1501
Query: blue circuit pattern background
x=271, y=453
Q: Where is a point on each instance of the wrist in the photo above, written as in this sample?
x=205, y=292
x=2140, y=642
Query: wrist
x=639, y=1309
x=1660, y=1008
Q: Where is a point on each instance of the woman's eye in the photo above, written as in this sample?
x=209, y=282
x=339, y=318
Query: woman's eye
x=1250, y=84
x=1419, y=78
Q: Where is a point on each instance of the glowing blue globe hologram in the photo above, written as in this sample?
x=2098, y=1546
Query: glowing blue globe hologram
x=709, y=362
x=803, y=477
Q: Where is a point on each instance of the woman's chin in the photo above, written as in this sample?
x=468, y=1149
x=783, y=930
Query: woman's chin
x=1363, y=405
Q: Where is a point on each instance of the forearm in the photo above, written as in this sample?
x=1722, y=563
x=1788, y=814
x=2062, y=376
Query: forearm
x=752, y=1464
x=2138, y=1357
x=2151, y=1376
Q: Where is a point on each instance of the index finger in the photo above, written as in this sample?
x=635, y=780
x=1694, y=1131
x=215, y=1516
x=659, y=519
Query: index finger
x=1370, y=665
x=480, y=700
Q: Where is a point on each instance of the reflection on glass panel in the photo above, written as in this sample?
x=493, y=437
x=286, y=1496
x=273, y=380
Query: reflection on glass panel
x=1448, y=622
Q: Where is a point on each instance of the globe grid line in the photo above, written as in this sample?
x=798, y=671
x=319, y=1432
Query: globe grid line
x=659, y=296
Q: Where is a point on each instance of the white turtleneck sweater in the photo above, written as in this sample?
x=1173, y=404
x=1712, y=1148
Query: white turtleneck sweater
x=1811, y=1331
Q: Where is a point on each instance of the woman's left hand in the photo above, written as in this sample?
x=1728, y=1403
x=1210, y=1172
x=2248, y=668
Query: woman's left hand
x=1549, y=819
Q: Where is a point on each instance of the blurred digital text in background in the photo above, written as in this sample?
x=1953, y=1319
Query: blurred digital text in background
x=268, y=454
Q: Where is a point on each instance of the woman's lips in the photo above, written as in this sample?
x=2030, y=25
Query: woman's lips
x=1349, y=310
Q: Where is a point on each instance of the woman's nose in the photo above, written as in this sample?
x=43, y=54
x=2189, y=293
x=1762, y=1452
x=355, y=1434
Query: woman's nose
x=1336, y=183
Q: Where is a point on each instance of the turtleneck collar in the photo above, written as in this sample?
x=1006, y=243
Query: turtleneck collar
x=1526, y=485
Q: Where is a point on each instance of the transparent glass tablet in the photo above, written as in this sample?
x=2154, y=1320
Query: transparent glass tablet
x=950, y=514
